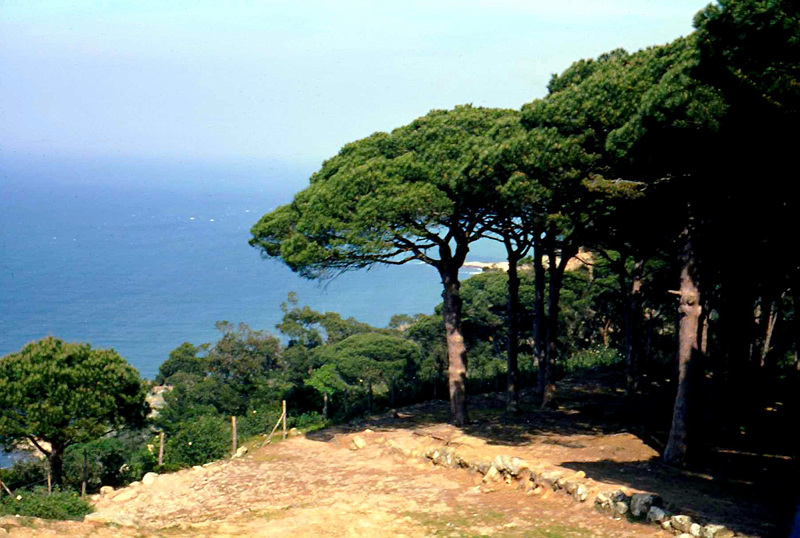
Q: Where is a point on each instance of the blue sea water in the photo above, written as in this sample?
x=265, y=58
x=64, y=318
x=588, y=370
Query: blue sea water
x=142, y=256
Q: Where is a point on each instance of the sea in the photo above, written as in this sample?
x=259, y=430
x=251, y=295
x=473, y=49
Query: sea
x=141, y=255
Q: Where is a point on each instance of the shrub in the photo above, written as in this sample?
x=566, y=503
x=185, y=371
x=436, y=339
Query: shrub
x=589, y=359
x=26, y=472
x=307, y=422
x=38, y=503
x=206, y=439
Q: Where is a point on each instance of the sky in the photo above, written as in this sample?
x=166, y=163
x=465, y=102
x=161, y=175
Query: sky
x=288, y=80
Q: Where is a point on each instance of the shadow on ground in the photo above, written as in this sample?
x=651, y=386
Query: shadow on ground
x=752, y=493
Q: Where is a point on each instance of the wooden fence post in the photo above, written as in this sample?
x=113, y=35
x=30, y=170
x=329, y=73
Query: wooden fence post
x=160, y=449
x=233, y=435
x=283, y=406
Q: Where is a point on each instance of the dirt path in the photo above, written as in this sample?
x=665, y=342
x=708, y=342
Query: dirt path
x=315, y=487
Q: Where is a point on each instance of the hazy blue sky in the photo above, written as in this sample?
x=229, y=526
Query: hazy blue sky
x=292, y=80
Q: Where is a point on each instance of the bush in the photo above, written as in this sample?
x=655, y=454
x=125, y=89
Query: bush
x=256, y=422
x=197, y=442
x=307, y=422
x=26, y=472
x=588, y=359
x=38, y=503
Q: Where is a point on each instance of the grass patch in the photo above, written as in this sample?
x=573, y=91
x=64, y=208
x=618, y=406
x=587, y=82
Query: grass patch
x=460, y=524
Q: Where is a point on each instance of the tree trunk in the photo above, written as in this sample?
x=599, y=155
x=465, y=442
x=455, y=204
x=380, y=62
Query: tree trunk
x=556, y=272
x=633, y=339
x=325, y=406
x=539, y=321
x=512, y=403
x=689, y=328
x=56, y=459
x=456, y=349
x=772, y=318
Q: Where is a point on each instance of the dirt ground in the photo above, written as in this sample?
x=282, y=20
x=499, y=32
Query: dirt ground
x=306, y=487
x=319, y=485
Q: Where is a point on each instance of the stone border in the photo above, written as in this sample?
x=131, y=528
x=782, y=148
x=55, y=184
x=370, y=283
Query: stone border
x=644, y=508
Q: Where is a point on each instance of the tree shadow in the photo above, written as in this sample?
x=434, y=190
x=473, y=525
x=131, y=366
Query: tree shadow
x=764, y=509
x=750, y=492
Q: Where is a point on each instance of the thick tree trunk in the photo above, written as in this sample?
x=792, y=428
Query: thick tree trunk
x=456, y=349
x=56, y=460
x=512, y=403
x=689, y=334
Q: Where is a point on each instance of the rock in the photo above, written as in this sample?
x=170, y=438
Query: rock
x=550, y=479
x=517, y=466
x=681, y=523
x=502, y=464
x=525, y=479
x=717, y=531
x=621, y=508
x=482, y=466
x=241, y=451
x=492, y=475
x=3, y=532
x=618, y=496
x=656, y=515
x=367, y=431
x=443, y=457
x=149, y=479
x=570, y=486
x=641, y=503
x=134, y=484
x=667, y=525
x=696, y=530
x=685, y=535
x=581, y=493
x=125, y=495
x=602, y=500
x=357, y=443
x=106, y=490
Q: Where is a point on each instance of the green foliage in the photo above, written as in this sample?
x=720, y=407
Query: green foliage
x=112, y=461
x=38, y=503
x=589, y=359
x=184, y=359
x=387, y=198
x=196, y=442
x=751, y=48
x=327, y=380
x=364, y=362
x=428, y=333
x=65, y=394
x=307, y=422
x=26, y=472
x=243, y=355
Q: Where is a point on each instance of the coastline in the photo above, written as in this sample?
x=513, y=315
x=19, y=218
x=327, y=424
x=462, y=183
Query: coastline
x=582, y=259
